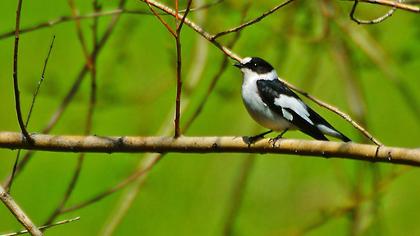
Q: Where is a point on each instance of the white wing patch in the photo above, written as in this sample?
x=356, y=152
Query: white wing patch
x=287, y=115
x=324, y=129
x=294, y=104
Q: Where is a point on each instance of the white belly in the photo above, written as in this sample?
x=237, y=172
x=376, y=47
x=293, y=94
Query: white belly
x=260, y=111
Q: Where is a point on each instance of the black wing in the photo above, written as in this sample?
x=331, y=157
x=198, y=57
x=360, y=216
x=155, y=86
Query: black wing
x=269, y=90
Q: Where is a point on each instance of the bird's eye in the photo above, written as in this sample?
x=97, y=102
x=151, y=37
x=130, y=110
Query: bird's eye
x=255, y=64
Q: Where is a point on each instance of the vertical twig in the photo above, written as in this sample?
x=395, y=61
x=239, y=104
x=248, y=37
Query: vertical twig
x=18, y=212
x=177, y=35
x=8, y=186
x=179, y=66
x=15, y=75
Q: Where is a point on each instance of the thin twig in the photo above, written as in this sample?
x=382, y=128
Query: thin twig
x=161, y=20
x=18, y=212
x=8, y=186
x=180, y=23
x=251, y=22
x=389, y=3
x=374, y=21
x=41, y=80
x=62, y=222
x=179, y=69
x=15, y=75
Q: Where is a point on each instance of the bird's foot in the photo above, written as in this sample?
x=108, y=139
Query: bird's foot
x=252, y=139
x=274, y=140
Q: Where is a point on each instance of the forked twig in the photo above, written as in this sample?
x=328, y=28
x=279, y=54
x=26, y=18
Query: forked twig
x=179, y=68
x=161, y=20
x=8, y=186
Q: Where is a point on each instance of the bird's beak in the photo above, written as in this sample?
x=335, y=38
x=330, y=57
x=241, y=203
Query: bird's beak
x=239, y=65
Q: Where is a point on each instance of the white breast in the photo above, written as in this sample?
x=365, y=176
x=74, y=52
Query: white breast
x=257, y=108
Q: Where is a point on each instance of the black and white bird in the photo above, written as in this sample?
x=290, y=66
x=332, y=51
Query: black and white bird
x=275, y=106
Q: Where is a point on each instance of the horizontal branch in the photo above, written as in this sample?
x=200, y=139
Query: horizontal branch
x=231, y=144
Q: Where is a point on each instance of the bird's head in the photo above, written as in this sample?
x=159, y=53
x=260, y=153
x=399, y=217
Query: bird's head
x=254, y=65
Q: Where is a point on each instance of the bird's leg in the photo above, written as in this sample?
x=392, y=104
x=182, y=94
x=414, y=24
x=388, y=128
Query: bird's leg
x=274, y=140
x=252, y=139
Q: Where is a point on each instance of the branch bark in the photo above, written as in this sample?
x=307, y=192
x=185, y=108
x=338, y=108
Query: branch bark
x=18, y=212
x=227, y=144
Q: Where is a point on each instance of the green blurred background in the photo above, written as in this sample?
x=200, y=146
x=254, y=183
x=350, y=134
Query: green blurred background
x=369, y=71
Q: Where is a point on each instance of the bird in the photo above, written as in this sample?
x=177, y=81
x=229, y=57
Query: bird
x=273, y=105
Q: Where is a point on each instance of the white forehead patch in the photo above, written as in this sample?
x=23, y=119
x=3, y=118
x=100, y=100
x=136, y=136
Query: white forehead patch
x=246, y=60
